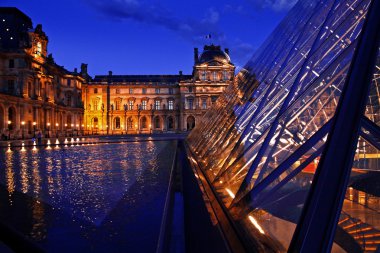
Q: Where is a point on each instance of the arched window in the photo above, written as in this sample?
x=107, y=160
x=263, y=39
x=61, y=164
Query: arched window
x=143, y=122
x=95, y=122
x=117, y=123
x=68, y=121
x=11, y=118
x=170, y=123
x=190, y=122
x=157, y=122
x=130, y=123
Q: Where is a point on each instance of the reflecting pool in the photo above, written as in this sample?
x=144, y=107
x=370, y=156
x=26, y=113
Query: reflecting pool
x=88, y=198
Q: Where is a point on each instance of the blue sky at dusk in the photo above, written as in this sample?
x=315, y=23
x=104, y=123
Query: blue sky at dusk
x=150, y=36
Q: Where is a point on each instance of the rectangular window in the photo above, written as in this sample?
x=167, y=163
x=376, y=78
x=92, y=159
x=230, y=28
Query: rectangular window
x=214, y=76
x=143, y=90
x=157, y=105
x=117, y=105
x=190, y=103
x=130, y=91
x=157, y=90
x=171, y=91
x=117, y=91
x=95, y=105
x=11, y=86
x=171, y=105
x=69, y=82
x=213, y=99
x=143, y=105
x=225, y=75
x=203, y=75
x=204, y=103
x=190, y=89
x=130, y=105
x=95, y=90
x=11, y=63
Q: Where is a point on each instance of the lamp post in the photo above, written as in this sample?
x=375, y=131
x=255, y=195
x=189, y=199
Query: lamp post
x=56, y=129
x=48, y=126
x=9, y=129
x=34, y=129
x=22, y=129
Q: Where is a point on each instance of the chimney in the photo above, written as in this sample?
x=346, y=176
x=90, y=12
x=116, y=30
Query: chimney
x=83, y=69
x=227, y=51
x=195, y=54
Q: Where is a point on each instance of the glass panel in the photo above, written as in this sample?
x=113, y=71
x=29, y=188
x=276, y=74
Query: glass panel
x=259, y=144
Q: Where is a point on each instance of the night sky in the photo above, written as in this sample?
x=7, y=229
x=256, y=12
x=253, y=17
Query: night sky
x=150, y=36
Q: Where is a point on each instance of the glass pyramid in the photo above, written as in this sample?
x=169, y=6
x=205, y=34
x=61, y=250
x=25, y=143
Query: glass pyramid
x=259, y=147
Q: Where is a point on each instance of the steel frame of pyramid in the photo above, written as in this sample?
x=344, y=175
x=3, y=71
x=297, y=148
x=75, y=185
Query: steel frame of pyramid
x=295, y=106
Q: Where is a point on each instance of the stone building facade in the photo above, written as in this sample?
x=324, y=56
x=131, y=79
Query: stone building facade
x=36, y=94
x=118, y=104
x=39, y=96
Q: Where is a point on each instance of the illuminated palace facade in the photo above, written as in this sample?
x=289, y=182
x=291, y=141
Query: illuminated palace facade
x=39, y=96
x=118, y=104
x=36, y=94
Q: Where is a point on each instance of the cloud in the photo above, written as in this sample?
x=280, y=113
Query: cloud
x=275, y=5
x=190, y=28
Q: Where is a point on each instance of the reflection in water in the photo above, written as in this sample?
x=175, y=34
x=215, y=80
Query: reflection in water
x=79, y=187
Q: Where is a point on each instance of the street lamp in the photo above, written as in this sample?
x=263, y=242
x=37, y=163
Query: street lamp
x=9, y=129
x=34, y=129
x=48, y=125
x=22, y=128
x=56, y=129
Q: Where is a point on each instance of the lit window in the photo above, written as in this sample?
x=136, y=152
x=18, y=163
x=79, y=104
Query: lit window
x=214, y=76
x=225, y=75
x=171, y=105
x=130, y=105
x=204, y=104
x=203, y=75
x=157, y=104
x=117, y=105
x=117, y=123
x=143, y=105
